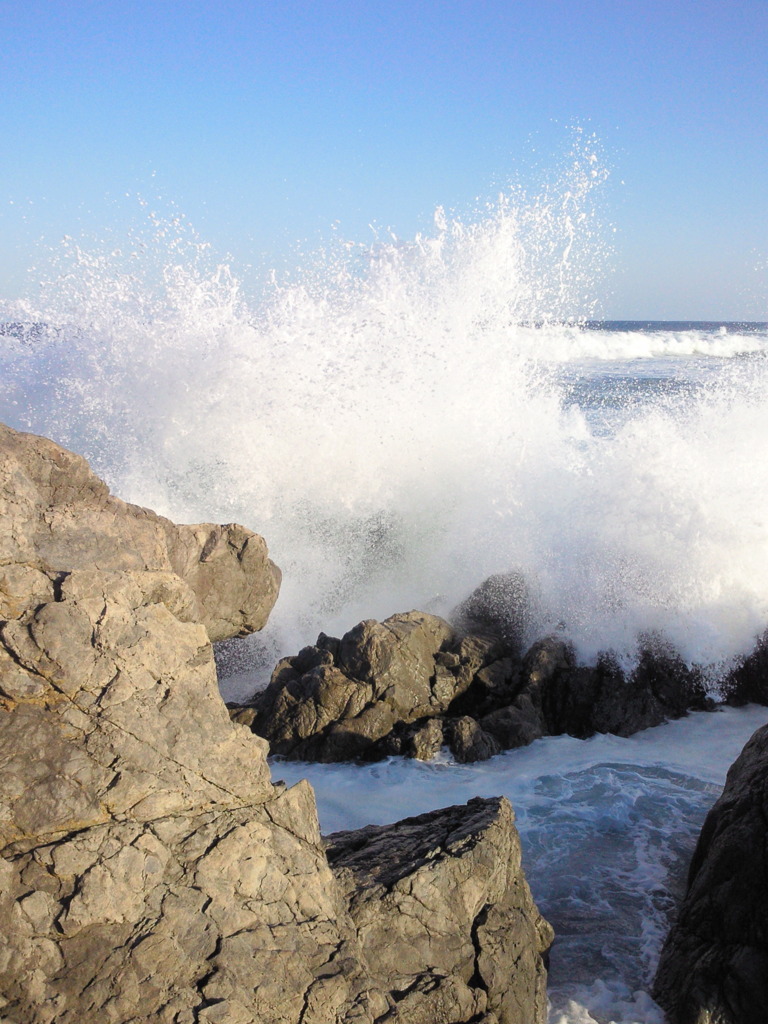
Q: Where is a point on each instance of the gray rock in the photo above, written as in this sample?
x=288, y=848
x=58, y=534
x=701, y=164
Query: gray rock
x=56, y=515
x=714, y=964
x=446, y=889
x=341, y=698
x=469, y=742
x=150, y=872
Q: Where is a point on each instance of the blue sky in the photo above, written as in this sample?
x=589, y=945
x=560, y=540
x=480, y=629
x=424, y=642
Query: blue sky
x=268, y=122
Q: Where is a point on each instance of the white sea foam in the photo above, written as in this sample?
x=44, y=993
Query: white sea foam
x=395, y=426
x=403, y=419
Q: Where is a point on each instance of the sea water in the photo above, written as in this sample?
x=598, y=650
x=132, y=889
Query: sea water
x=607, y=826
x=402, y=418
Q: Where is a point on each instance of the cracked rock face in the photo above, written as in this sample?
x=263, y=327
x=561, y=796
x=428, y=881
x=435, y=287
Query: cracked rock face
x=149, y=869
x=714, y=964
x=442, y=909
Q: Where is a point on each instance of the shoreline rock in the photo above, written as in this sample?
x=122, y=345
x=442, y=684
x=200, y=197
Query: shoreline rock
x=714, y=965
x=57, y=515
x=412, y=683
x=446, y=889
x=150, y=871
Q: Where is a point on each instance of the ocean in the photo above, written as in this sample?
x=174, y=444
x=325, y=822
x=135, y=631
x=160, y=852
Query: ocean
x=402, y=419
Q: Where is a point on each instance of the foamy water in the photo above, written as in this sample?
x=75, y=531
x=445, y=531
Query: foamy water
x=404, y=418
x=607, y=825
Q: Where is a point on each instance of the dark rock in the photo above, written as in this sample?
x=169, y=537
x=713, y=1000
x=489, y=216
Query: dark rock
x=446, y=889
x=714, y=964
x=501, y=606
x=581, y=700
x=469, y=742
x=516, y=725
x=748, y=682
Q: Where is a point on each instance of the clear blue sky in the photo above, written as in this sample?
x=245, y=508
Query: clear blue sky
x=266, y=122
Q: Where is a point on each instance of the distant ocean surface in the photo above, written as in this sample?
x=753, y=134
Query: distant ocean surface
x=400, y=422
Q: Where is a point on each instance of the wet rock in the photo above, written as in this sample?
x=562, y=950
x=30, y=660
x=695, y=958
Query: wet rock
x=502, y=606
x=340, y=699
x=469, y=742
x=748, y=682
x=583, y=700
x=426, y=740
x=516, y=725
x=714, y=964
x=446, y=889
x=360, y=697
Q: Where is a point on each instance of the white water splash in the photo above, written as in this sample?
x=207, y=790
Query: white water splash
x=399, y=423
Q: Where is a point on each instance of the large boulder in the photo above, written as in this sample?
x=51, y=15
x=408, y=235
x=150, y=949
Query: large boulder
x=150, y=872
x=714, y=964
x=339, y=699
x=57, y=515
x=150, y=869
x=442, y=909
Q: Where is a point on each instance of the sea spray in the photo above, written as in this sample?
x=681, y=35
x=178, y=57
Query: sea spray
x=403, y=418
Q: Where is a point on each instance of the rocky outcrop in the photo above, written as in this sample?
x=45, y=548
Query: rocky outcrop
x=747, y=683
x=714, y=965
x=412, y=683
x=57, y=515
x=149, y=869
x=444, y=914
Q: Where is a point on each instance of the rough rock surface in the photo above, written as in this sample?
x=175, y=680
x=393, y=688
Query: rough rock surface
x=149, y=869
x=443, y=911
x=56, y=514
x=748, y=682
x=714, y=965
x=412, y=682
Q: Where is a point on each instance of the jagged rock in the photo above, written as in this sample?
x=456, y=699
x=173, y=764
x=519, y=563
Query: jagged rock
x=714, y=964
x=516, y=725
x=503, y=605
x=581, y=700
x=150, y=869
x=340, y=699
x=748, y=682
x=426, y=740
x=370, y=694
x=57, y=515
x=150, y=872
x=469, y=742
x=148, y=861
x=446, y=889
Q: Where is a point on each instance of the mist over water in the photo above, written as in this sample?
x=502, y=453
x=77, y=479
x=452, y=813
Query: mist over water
x=403, y=418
